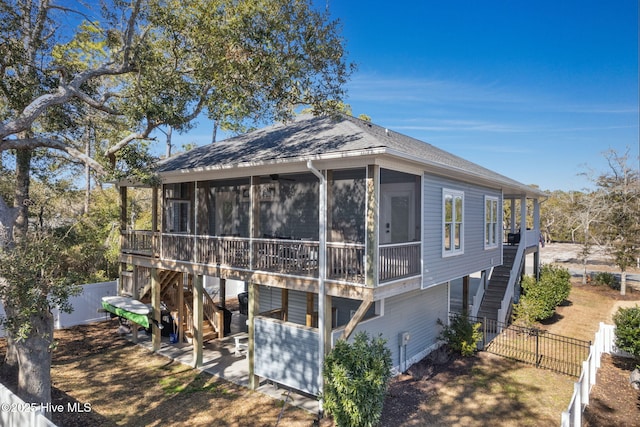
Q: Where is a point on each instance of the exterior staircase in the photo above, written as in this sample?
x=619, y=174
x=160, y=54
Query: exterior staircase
x=170, y=282
x=497, y=287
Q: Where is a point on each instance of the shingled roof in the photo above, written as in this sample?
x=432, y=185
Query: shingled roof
x=310, y=137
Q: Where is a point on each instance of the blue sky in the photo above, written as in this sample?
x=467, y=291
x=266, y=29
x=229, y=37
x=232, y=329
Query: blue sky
x=535, y=90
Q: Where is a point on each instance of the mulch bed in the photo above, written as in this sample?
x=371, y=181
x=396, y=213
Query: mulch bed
x=613, y=401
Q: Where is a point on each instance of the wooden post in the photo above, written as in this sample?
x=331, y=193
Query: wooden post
x=372, y=225
x=223, y=293
x=357, y=317
x=197, y=321
x=284, y=297
x=156, y=335
x=254, y=217
x=328, y=324
x=181, y=284
x=123, y=227
x=465, y=294
x=154, y=222
x=309, y=319
x=254, y=296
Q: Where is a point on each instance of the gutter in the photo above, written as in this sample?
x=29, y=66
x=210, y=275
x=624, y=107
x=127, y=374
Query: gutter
x=322, y=258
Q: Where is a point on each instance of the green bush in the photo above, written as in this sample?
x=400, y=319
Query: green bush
x=608, y=279
x=355, y=380
x=627, y=321
x=559, y=280
x=461, y=335
x=540, y=298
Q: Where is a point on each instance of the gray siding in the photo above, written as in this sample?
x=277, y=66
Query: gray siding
x=439, y=269
x=415, y=312
x=287, y=354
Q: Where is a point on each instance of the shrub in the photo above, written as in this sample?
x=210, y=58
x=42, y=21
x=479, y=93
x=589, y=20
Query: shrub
x=559, y=280
x=627, y=322
x=461, y=335
x=540, y=298
x=608, y=279
x=355, y=380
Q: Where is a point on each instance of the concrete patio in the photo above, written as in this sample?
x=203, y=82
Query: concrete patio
x=220, y=360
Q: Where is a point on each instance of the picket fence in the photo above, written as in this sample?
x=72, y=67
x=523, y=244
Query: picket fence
x=604, y=342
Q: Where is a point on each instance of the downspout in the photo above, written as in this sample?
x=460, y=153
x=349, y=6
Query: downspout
x=322, y=258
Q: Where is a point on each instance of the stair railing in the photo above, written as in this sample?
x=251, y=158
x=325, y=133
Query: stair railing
x=514, y=275
x=477, y=299
x=213, y=314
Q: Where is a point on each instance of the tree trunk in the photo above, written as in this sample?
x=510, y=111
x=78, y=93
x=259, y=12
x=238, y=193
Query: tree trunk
x=623, y=283
x=21, y=195
x=34, y=358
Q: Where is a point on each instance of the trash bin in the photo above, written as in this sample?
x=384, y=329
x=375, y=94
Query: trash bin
x=243, y=299
x=227, y=320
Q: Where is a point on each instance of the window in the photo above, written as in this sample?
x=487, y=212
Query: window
x=490, y=222
x=453, y=225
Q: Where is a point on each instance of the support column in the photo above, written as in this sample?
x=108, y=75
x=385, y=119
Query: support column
x=254, y=296
x=328, y=324
x=197, y=321
x=284, y=299
x=156, y=335
x=523, y=221
x=465, y=294
x=372, y=232
x=223, y=293
x=181, y=284
x=310, y=310
x=155, y=247
x=254, y=217
x=123, y=227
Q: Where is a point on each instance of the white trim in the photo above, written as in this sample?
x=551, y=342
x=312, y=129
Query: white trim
x=496, y=221
x=452, y=251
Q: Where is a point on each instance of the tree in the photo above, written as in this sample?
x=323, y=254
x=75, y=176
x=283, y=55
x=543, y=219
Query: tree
x=621, y=228
x=133, y=66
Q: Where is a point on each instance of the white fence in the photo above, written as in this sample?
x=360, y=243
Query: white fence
x=16, y=413
x=85, y=306
x=604, y=343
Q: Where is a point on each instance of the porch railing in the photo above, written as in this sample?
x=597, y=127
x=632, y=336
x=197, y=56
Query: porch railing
x=345, y=261
x=399, y=260
x=137, y=242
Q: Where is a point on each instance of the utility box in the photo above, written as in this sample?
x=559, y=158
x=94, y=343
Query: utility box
x=404, y=338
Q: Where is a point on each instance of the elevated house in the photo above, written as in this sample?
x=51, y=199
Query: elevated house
x=334, y=225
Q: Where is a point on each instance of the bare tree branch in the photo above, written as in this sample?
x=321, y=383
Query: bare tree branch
x=10, y=144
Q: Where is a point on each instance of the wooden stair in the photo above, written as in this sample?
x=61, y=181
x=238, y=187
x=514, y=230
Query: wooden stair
x=170, y=283
x=493, y=295
x=209, y=326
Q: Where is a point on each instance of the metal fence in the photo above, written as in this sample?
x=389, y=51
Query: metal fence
x=534, y=346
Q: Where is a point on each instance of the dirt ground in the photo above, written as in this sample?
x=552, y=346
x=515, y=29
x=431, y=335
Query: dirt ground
x=127, y=385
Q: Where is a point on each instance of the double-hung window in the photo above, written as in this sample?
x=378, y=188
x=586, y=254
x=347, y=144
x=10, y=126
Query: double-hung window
x=453, y=222
x=491, y=231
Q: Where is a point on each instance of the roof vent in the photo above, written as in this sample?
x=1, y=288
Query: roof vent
x=386, y=132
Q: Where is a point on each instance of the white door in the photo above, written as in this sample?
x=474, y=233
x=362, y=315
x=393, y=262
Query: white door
x=397, y=213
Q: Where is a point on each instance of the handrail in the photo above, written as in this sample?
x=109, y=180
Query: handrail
x=514, y=274
x=477, y=299
x=210, y=310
